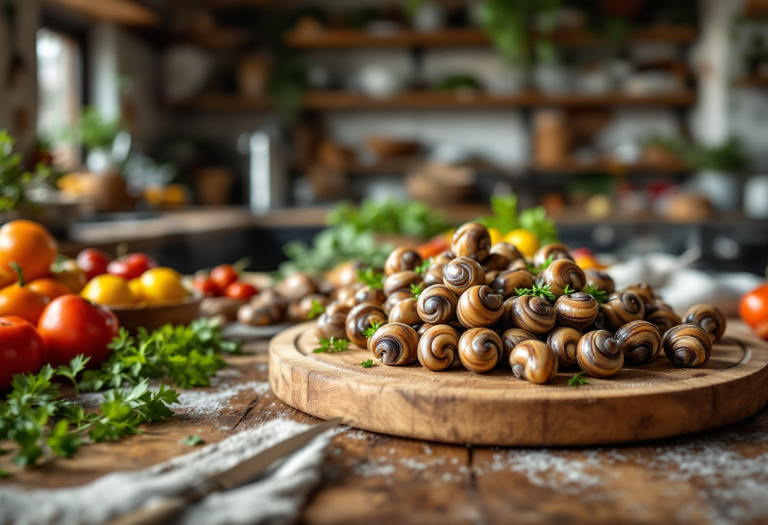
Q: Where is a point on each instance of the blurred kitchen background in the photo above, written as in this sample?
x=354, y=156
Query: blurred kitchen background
x=208, y=130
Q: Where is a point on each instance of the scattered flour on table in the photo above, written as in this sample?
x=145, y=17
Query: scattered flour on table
x=202, y=403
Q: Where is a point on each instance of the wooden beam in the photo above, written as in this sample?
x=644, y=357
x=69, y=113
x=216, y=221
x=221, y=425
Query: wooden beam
x=123, y=12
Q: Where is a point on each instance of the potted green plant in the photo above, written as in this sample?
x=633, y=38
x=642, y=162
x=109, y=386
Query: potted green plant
x=97, y=134
x=717, y=165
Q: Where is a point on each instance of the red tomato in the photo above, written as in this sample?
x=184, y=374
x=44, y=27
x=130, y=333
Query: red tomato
x=753, y=308
x=29, y=245
x=21, y=349
x=242, y=291
x=131, y=266
x=205, y=284
x=51, y=288
x=21, y=301
x=93, y=262
x=71, y=325
x=224, y=275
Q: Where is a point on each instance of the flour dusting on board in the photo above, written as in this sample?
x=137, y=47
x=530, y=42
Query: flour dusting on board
x=203, y=403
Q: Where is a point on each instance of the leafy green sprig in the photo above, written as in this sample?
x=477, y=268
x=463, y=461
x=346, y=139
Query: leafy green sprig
x=535, y=270
x=368, y=332
x=316, y=310
x=416, y=290
x=578, y=380
x=331, y=346
x=370, y=277
x=600, y=296
x=424, y=266
x=367, y=364
x=538, y=290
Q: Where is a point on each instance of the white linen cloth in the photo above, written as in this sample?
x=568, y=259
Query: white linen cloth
x=278, y=498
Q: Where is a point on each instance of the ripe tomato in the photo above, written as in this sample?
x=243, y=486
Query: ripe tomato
x=242, y=291
x=205, y=284
x=93, y=262
x=162, y=284
x=108, y=290
x=20, y=301
x=753, y=308
x=51, y=288
x=21, y=349
x=136, y=289
x=70, y=325
x=523, y=240
x=131, y=266
x=224, y=275
x=71, y=276
x=30, y=245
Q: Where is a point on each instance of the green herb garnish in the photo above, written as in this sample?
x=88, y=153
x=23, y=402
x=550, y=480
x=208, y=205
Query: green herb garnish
x=331, y=346
x=192, y=441
x=420, y=269
x=535, y=270
x=368, y=332
x=538, y=290
x=416, y=290
x=371, y=278
x=76, y=366
x=568, y=290
x=317, y=309
x=367, y=364
x=577, y=380
x=600, y=296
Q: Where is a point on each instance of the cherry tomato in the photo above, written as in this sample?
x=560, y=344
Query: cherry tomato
x=242, y=291
x=753, y=308
x=162, y=284
x=205, y=284
x=224, y=275
x=29, y=245
x=51, y=288
x=20, y=301
x=93, y=262
x=71, y=325
x=21, y=349
x=434, y=247
x=71, y=276
x=108, y=290
x=131, y=266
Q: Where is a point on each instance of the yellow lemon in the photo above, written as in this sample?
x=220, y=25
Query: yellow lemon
x=136, y=289
x=108, y=290
x=449, y=235
x=525, y=241
x=496, y=235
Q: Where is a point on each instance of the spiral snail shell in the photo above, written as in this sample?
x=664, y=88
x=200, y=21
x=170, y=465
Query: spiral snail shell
x=433, y=275
x=663, y=319
x=444, y=257
x=362, y=317
x=401, y=281
x=534, y=361
x=471, y=240
x=402, y=259
x=577, y=310
x=688, y=345
x=644, y=292
x=708, y=317
x=562, y=273
x=346, y=294
x=640, y=341
x=622, y=308
x=423, y=328
x=461, y=274
x=392, y=300
x=480, y=350
x=438, y=347
x=564, y=342
x=261, y=315
x=496, y=261
x=271, y=297
x=478, y=307
x=490, y=276
x=556, y=250
x=518, y=264
x=506, y=282
x=513, y=337
x=437, y=304
x=395, y=344
x=297, y=286
x=599, y=354
x=509, y=251
x=332, y=322
x=530, y=313
x=600, y=279
x=405, y=312
x=370, y=295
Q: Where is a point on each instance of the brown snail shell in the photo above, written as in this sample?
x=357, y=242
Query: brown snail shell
x=346, y=294
x=444, y=257
x=362, y=317
x=392, y=300
x=332, y=323
x=564, y=342
x=401, y=281
x=402, y=259
x=534, y=361
x=271, y=297
x=599, y=354
x=530, y=313
x=644, y=292
x=556, y=250
x=480, y=350
x=513, y=337
x=688, y=345
x=395, y=344
x=562, y=273
x=577, y=310
x=506, y=282
x=263, y=315
x=471, y=240
x=433, y=275
x=602, y=280
x=509, y=251
x=479, y=307
x=306, y=304
x=490, y=276
x=405, y=312
x=640, y=341
x=496, y=261
x=296, y=286
x=437, y=304
x=709, y=317
x=438, y=347
x=518, y=264
x=370, y=295
x=622, y=308
x=423, y=328
x=461, y=274
x=663, y=319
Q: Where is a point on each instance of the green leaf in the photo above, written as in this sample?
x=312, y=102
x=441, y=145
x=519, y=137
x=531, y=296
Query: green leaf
x=367, y=364
x=62, y=442
x=316, y=310
x=4, y=473
x=535, y=270
x=599, y=295
x=368, y=332
x=537, y=291
x=76, y=365
x=424, y=266
x=331, y=346
x=371, y=278
x=577, y=380
x=416, y=290
x=192, y=441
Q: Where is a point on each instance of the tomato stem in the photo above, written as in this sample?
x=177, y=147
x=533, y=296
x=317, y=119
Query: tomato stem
x=18, y=271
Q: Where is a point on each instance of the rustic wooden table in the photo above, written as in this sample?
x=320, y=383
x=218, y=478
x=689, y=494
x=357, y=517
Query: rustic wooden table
x=719, y=476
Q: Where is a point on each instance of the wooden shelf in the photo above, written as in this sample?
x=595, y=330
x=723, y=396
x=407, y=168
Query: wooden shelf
x=125, y=12
x=612, y=168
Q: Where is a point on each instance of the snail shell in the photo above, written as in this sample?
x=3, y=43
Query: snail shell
x=688, y=345
x=622, y=308
x=405, y=312
x=509, y=251
x=644, y=292
x=392, y=300
x=360, y=318
x=709, y=318
x=271, y=297
x=438, y=347
x=564, y=342
x=663, y=319
x=562, y=273
x=395, y=344
x=556, y=250
x=433, y=275
x=577, y=310
x=506, y=282
x=370, y=295
x=461, y=274
x=437, y=304
x=444, y=257
x=599, y=354
x=296, y=286
x=479, y=307
x=490, y=276
x=534, y=361
x=304, y=306
x=263, y=315
x=513, y=337
x=401, y=281
x=423, y=328
x=402, y=259
x=518, y=264
x=496, y=261
x=471, y=240
x=480, y=350
x=640, y=341
x=346, y=294
x=600, y=279
x=332, y=323
x=530, y=313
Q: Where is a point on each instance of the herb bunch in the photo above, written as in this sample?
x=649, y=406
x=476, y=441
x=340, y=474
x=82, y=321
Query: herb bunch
x=538, y=290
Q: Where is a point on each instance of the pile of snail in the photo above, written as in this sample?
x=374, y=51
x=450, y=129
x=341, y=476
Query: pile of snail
x=470, y=311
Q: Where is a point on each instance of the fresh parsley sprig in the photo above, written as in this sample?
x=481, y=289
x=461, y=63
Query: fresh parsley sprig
x=70, y=371
x=367, y=364
x=420, y=269
x=535, y=270
x=577, y=380
x=600, y=296
x=416, y=290
x=538, y=290
x=370, y=277
x=316, y=310
x=368, y=332
x=568, y=290
x=331, y=346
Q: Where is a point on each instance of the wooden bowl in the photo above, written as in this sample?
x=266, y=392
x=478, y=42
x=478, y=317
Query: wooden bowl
x=153, y=316
x=384, y=147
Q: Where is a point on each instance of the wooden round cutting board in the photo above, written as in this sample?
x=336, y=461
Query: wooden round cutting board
x=457, y=406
